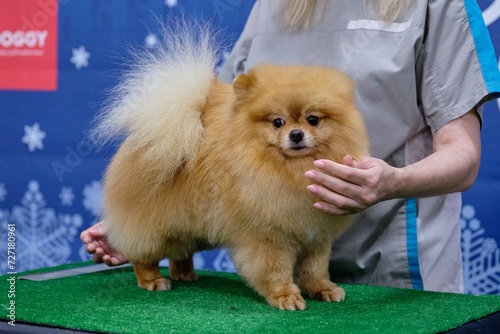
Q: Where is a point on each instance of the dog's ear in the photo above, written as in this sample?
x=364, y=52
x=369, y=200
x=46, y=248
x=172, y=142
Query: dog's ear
x=241, y=84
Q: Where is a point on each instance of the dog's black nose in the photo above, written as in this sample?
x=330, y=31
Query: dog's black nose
x=296, y=136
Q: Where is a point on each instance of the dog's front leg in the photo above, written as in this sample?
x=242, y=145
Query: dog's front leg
x=268, y=268
x=311, y=273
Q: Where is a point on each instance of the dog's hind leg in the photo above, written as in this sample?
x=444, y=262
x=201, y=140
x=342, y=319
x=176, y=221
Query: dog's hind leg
x=183, y=270
x=150, y=278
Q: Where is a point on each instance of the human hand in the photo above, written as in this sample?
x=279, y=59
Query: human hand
x=352, y=186
x=97, y=244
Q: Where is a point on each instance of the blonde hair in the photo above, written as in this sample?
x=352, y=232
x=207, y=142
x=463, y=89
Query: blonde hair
x=390, y=9
x=298, y=13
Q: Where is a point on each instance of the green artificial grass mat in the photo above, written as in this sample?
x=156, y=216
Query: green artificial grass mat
x=110, y=301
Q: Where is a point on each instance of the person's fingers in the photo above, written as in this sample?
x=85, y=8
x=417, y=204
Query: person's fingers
x=332, y=184
x=349, y=173
x=85, y=237
x=90, y=248
x=326, y=207
x=348, y=161
x=97, y=258
x=329, y=208
x=96, y=231
x=336, y=203
x=114, y=261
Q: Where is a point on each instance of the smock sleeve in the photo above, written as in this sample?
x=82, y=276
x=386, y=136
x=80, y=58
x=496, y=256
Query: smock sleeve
x=457, y=66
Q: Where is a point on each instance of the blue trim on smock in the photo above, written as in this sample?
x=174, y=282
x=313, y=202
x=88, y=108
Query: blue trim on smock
x=484, y=46
x=412, y=244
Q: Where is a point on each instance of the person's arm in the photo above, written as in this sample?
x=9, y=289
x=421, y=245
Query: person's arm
x=356, y=185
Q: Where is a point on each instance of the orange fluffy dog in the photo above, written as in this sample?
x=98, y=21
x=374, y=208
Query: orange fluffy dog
x=207, y=164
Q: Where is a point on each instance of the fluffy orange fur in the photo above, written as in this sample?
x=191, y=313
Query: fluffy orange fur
x=245, y=189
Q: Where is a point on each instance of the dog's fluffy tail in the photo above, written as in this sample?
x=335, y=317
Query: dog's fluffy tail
x=157, y=104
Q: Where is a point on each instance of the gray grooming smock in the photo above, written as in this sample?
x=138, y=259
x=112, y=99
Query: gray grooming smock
x=432, y=65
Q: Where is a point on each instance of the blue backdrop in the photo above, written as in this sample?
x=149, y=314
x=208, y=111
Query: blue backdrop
x=50, y=177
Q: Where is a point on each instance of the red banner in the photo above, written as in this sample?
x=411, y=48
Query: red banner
x=28, y=44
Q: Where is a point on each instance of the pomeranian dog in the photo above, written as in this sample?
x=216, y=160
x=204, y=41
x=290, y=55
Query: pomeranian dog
x=206, y=164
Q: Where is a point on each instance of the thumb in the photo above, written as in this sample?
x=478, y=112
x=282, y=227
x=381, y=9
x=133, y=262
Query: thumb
x=348, y=161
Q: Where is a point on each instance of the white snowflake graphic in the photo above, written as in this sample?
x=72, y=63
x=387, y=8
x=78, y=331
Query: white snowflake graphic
x=80, y=57
x=171, y=3
x=223, y=262
x=66, y=196
x=43, y=238
x=481, y=256
x=33, y=137
x=92, y=197
x=3, y=192
x=151, y=40
x=492, y=13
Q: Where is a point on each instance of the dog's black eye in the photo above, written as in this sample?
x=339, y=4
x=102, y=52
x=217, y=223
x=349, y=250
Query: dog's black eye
x=313, y=120
x=278, y=122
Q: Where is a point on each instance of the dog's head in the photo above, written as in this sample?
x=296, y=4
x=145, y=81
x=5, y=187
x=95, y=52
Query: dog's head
x=301, y=111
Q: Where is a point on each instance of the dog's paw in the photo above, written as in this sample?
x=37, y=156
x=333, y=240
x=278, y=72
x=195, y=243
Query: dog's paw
x=333, y=294
x=291, y=302
x=183, y=270
x=157, y=284
x=189, y=276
